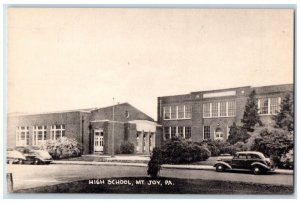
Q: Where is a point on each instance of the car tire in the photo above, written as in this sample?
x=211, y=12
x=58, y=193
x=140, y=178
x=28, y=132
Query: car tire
x=36, y=162
x=20, y=161
x=220, y=168
x=256, y=170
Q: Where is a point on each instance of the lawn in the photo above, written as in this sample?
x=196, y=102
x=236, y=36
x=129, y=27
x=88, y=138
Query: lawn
x=136, y=185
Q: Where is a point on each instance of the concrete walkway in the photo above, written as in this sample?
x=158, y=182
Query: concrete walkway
x=165, y=166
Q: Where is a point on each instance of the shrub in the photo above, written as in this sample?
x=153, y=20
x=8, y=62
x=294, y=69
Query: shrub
x=237, y=134
x=229, y=149
x=212, y=146
x=176, y=151
x=273, y=142
x=63, y=148
x=127, y=148
x=154, y=165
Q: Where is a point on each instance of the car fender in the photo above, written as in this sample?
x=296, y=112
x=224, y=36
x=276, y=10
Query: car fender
x=260, y=164
x=223, y=163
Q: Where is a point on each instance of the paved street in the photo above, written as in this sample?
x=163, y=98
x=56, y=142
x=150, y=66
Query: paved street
x=29, y=176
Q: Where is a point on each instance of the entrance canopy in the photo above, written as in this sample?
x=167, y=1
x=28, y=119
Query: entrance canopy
x=144, y=125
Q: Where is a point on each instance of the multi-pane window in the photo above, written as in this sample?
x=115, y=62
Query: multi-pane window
x=22, y=136
x=264, y=106
x=268, y=106
x=223, y=111
x=167, y=133
x=57, y=131
x=39, y=134
x=181, y=111
x=214, y=109
x=206, y=132
x=173, y=131
x=177, y=112
x=274, y=105
x=183, y=132
x=173, y=112
x=180, y=132
x=188, y=111
x=188, y=132
x=167, y=112
x=206, y=110
x=219, y=109
x=231, y=108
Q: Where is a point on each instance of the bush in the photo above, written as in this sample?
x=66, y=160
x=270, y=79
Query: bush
x=63, y=148
x=237, y=134
x=212, y=146
x=154, y=165
x=273, y=142
x=229, y=149
x=176, y=151
x=127, y=148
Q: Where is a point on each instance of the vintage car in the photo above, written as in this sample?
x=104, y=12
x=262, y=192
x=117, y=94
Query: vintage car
x=38, y=157
x=249, y=160
x=14, y=156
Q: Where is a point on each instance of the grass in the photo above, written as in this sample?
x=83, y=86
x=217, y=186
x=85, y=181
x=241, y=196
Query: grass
x=173, y=186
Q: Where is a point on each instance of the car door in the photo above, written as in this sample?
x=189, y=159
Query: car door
x=239, y=161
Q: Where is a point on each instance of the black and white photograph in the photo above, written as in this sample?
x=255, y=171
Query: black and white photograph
x=120, y=100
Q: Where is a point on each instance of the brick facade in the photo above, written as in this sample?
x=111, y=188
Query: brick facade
x=237, y=96
x=81, y=125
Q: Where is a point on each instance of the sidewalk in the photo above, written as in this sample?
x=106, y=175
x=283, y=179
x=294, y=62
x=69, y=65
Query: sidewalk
x=165, y=166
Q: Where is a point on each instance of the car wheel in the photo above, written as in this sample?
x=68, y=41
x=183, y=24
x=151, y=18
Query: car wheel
x=36, y=162
x=20, y=161
x=10, y=161
x=256, y=170
x=220, y=168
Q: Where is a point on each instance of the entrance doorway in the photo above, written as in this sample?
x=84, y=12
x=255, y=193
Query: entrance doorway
x=98, y=140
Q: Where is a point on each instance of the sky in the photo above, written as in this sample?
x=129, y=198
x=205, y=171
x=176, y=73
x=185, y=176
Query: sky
x=63, y=59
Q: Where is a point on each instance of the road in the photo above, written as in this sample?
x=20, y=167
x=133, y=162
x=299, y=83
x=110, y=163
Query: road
x=30, y=176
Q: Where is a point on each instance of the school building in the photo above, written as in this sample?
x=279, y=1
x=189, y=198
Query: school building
x=100, y=130
x=209, y=114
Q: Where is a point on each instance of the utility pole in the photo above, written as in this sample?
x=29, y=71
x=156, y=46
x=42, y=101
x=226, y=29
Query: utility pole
x=82, y=131
x=113, y=129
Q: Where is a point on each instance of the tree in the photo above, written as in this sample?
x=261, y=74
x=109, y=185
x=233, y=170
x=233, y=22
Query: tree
x=251, y=116
x=237, y=134
x=285, y=118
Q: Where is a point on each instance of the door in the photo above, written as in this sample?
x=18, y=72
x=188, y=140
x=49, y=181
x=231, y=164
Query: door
x=98, y=140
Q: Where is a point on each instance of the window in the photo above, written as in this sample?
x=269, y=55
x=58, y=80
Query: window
x=57, y=131
x=22, y=136
x=173, y=112
x=39, y=135
x=177, y=112
x=231, y=108
x=188, y=111
x=264, y=106
x=181, y=111
x=173, y=131
x=214, y=110
x=180, y=132
x=206, y=110
x=188, y=133
x=167, y=112
x=274, y=105
x=219, y=134
x=167, y=133
x=206, y=132
x=223, y=111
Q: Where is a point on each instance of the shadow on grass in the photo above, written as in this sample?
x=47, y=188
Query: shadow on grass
x=146, y=185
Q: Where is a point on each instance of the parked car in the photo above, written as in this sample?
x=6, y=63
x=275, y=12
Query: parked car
x=250, y=160
x=38, y=157
x=14, y=156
